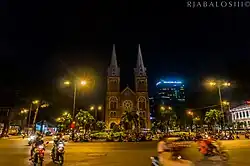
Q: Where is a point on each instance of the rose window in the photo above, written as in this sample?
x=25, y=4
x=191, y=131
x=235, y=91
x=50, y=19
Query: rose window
x=127, y=104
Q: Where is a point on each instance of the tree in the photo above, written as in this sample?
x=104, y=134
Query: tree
x=85, y=120
x=100, y=125
x=64, y=121
x=166, y=118
x=131, y=120
x=213, y=117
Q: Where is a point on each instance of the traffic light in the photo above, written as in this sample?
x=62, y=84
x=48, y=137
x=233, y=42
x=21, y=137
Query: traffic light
x=73, y=125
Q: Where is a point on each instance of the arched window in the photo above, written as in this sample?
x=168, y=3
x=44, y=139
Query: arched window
x=141, y=104
x=142, y=124
x=142, y=114
x=113, y=103
x=112, y=114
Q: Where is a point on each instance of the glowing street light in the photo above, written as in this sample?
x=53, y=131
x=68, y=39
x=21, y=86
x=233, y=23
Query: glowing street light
x=66, y=82
x=36, y=102
x=190, y=113
x=99, y=108
x=92, y=108
x=225, y=103
x=211, y=83
x=84, y=82
x=162, y=108
x=58, y=119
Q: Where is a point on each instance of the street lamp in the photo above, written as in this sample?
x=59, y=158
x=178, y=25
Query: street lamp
x=75, y=83
x=99, y=108
x=94, y=108
x=227, y=104
x=219, y=85
x=83, y=83
x=162, y=108
x=191, y=113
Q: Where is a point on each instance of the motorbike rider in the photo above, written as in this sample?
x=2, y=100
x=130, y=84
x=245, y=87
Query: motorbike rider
x=38, y=141
x=209, y=141
x=57, y=139
x=165, y=148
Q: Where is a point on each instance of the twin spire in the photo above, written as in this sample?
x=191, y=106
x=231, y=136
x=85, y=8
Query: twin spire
x=113, y=58
x=140, y=70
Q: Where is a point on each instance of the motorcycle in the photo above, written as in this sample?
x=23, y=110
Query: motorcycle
x=155, y=161
x=38, y=155
x=31, y=140
x=218, y=150
x=58, y=154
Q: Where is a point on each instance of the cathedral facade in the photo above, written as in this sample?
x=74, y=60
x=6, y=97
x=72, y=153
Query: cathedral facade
x=118, y=101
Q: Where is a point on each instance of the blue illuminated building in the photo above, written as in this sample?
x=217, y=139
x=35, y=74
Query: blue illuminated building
x=170, y=91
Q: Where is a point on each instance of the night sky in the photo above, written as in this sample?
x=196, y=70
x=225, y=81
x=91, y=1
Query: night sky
x=42, y=42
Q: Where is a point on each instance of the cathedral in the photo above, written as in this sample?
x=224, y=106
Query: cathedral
x=118, y=101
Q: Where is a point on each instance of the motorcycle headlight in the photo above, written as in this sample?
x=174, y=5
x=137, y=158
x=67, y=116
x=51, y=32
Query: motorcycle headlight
x=60, y=146
x=40, y=146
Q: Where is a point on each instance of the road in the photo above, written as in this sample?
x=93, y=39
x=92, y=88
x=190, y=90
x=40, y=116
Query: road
x=15, y=152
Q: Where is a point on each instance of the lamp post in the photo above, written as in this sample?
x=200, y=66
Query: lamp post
x=24, y=112
x=227, y=104
x=75, y=83
x=83, y=83
x=219, y=85
x=95, y=109
x=191, y=113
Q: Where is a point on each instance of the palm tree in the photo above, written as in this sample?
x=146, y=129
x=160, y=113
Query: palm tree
x=131, y=120
x=85, y=120
x=213, y=117
x=166, y=119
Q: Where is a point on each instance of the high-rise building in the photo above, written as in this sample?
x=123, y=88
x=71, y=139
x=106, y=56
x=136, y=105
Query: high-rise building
x=170, y=92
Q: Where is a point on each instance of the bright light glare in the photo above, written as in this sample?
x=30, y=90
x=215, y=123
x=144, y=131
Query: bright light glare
x=66, y=82
x=83, y=82
x=40, y=146
x=211, y=83
x=60, y=145
x=92, y=108
x=99, y=107
x=226, y=84
x=162, y=108
x=35, y=101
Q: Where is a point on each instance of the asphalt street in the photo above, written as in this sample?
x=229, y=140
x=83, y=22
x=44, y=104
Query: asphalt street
x=15, y=152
